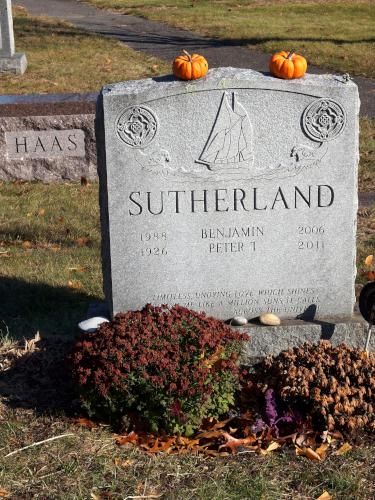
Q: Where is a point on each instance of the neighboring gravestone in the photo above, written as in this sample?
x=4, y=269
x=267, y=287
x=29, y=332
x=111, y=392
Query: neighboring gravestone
x=47, y=138
x=10, y=61
x=233, y=194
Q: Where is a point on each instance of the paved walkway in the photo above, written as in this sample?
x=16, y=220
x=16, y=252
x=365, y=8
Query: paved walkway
x=165, y=42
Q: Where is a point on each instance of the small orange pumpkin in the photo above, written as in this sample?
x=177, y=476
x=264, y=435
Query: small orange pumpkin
x=287, y=65
x=187, y=67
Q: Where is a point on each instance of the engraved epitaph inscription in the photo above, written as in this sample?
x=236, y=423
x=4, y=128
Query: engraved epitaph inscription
x=26, y=144
x=234, y=194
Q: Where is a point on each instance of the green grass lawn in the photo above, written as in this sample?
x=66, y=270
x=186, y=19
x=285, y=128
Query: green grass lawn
x=49, y=256
x=335, y=34
x=366, y=180
x=64, y=59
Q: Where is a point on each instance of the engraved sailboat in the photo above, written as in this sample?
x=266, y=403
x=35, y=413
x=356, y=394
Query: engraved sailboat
x=229, y=145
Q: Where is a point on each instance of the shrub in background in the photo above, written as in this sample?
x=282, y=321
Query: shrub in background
x=335, y=385
x=172, y=366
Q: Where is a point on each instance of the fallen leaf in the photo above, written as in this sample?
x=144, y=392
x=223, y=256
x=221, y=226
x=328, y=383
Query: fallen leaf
x=308, y=453
x=41, y=212
x=26, y=244
x=273, y=446
x=85, y=422
x=212, y=424
x=343, y=449
x=81, y=242
x=214, y=453
x=368, y=260
x=233, y=443
x=119, y=462
x=325, y=496
x=30, y=344
x=61, y=220
x=4, y=493
x=336, y=435
x=322, y=450
x=79, y=269
x=188, y=443
x=159, y=446
x=210, y=434
x=132, y=438
x=75, y=285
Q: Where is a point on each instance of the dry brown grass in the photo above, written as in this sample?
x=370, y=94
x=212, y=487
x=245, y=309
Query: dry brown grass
x=65, y=59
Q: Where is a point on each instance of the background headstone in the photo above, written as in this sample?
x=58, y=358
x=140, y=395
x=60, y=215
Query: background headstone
x=10, y=61
x=47, y=137
x=234, y=194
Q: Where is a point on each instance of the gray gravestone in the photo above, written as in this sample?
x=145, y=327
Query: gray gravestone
x=27, y=144
x=10, y=61
x=47, y=137
x=234, y=194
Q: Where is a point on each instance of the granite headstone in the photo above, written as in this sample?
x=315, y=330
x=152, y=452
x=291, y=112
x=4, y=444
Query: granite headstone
x=234, y=194
x=47, y=137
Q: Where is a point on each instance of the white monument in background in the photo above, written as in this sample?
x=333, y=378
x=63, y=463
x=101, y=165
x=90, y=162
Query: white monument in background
x=10, y=61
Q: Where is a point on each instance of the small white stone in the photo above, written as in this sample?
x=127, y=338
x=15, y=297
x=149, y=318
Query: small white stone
x=91, y=324
x=269, y=319
x=238, y=321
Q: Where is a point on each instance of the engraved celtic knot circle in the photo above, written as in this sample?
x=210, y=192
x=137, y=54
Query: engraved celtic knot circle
x=137, y=126
x=323, y=120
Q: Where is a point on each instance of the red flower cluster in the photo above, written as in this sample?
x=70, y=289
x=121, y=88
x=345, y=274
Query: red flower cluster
x=170, y=365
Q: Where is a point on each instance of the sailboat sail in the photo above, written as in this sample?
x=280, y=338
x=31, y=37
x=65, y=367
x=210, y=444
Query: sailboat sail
x=230, y=140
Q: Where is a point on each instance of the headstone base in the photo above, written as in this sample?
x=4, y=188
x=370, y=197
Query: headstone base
x=13, y=64
x=266, y=340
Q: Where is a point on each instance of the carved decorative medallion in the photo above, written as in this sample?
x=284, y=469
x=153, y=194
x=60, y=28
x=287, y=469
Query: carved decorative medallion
x=137, y=126
x=323, y=120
